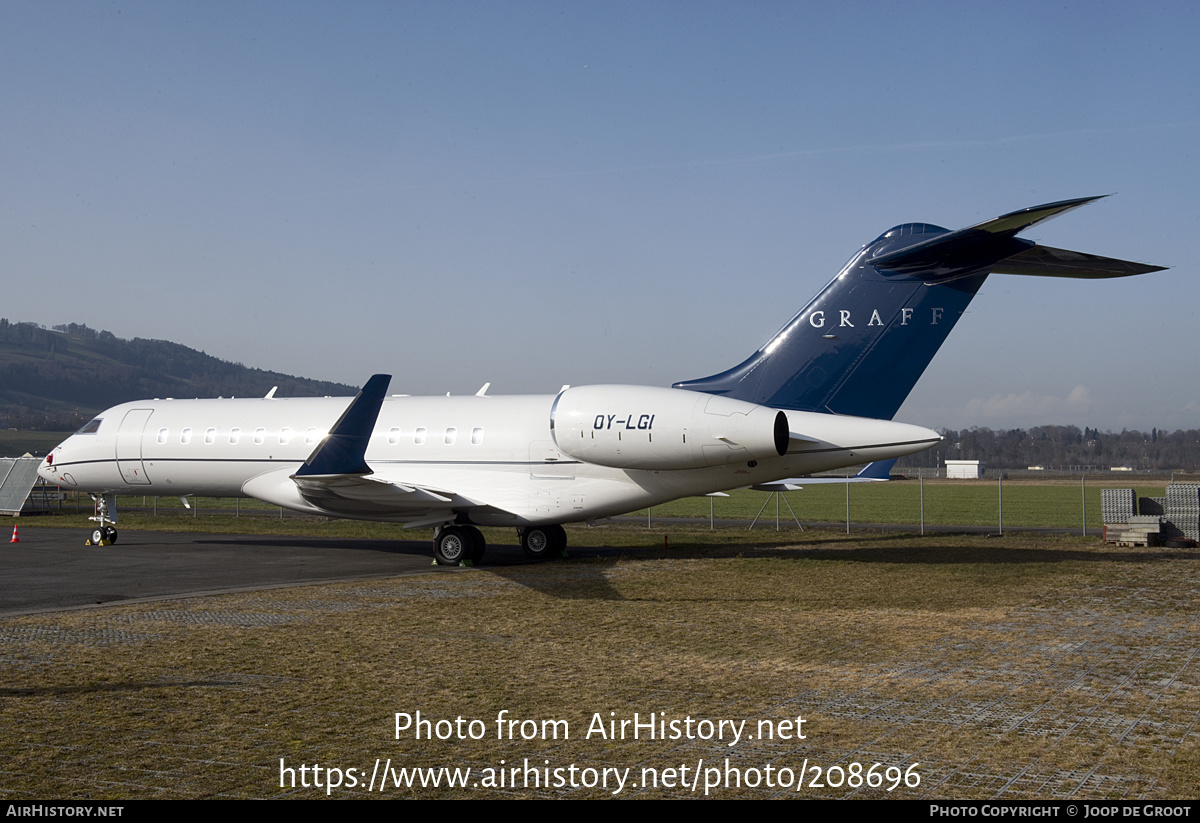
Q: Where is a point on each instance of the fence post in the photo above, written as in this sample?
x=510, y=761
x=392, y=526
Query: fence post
x=1000, y=492
x=921, y=478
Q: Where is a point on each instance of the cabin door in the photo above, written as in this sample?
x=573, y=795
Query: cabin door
x=129, y=447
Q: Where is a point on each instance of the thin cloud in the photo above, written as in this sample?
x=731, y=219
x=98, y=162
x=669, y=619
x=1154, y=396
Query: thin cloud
x=1031, y=406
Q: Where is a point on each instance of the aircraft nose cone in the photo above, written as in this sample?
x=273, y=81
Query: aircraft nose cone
x=46, y=470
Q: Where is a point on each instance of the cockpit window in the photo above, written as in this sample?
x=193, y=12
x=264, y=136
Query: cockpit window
x=92, y=426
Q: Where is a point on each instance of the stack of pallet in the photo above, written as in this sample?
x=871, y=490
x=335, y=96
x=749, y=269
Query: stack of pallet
x=1117, y=505
x=1183, y=508
x=1141, y=530
x=1154, y=519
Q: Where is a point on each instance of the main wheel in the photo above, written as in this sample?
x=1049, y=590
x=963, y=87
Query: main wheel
x=110, y=534
x=452, y=545
x=97, y=536
x=543, y=542
x=478, y=543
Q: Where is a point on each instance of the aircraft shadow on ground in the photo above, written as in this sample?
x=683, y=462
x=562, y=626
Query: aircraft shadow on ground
x=588, y=565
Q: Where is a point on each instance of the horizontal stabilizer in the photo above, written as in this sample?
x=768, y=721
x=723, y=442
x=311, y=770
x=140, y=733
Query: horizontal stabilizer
x=1047, y=261
x=779, y=486
x=344, y=450
x=875, y=472
x=956, y=254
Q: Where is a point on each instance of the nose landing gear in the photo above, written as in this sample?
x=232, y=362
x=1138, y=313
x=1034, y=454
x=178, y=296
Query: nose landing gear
x=105, y=534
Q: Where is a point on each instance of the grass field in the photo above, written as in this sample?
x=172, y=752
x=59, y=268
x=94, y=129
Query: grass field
x=1022, y=666
x=17, y=443
x=945, y=502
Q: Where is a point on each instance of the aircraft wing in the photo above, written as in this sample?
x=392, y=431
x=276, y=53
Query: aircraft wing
x=336, y=480
x=361, y=497
x=876, y=472
x=357, y=496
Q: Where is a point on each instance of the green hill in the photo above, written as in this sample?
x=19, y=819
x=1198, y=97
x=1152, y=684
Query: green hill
x=56, y=379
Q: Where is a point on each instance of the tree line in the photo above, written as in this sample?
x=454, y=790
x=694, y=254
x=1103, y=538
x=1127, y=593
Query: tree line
x=1065, y=447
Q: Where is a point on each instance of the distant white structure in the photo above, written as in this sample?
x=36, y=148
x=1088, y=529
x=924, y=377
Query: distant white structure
x=964, y=469
x=1121, y=469
x=1036, y=468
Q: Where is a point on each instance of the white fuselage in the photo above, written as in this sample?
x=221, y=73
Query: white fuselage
x=484, y=460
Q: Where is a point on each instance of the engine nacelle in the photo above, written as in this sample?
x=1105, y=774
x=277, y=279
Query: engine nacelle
x=644, y=427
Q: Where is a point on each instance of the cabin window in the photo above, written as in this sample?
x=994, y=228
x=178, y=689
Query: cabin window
x=476, y=437
x=393, y=437
x=419, y=436
x=260, y=436
x=163, y=434
x=210, y=436
x=185, y=436
x=310, y=437
x=451, y=436
x=235, y=435
x=285, y=436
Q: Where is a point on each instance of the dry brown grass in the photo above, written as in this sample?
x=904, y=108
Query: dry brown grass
x=1022, y=667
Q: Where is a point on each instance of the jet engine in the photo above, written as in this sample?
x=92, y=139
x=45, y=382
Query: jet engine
x=644, y=427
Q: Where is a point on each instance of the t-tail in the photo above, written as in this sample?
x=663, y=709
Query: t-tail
x=861, y=345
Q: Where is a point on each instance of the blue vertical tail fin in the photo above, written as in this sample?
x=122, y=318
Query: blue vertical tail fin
x=860, y=345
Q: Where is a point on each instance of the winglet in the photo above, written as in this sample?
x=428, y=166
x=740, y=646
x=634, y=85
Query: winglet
x=344, y=450
x=879, y=470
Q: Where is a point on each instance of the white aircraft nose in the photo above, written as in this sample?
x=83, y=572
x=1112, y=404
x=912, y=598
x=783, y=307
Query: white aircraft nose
x=46, y=470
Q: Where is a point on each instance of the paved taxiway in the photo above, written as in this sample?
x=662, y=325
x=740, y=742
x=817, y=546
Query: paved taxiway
x=52, y=569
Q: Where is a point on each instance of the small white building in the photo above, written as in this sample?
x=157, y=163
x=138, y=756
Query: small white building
x=964, y=469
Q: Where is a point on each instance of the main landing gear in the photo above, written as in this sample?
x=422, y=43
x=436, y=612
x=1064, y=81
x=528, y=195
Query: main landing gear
x=543, y=542
x=458, y=545
x=105, y=533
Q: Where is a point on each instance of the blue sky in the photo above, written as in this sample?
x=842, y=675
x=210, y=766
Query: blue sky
x=535, y=194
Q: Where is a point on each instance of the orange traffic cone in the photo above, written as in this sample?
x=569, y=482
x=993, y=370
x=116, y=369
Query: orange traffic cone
x=15, y=538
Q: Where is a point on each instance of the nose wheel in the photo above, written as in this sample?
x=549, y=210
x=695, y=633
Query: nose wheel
x=105, y=533
x=103, y=536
